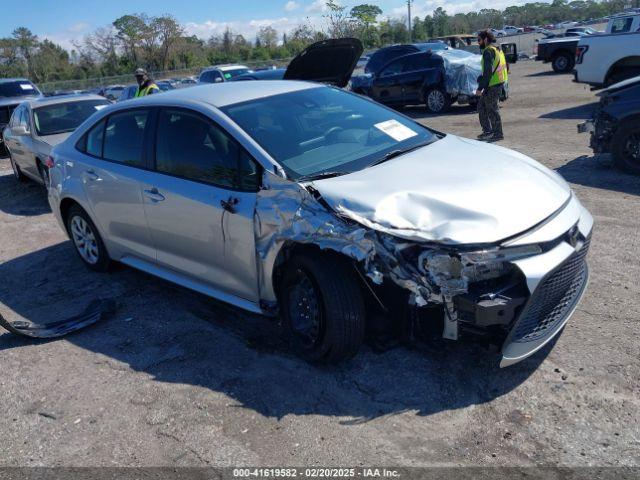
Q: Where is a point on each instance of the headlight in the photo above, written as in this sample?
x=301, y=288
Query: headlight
x=506, y=254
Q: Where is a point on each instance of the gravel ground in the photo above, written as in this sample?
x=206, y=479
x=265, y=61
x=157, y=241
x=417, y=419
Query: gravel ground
x=177, y=379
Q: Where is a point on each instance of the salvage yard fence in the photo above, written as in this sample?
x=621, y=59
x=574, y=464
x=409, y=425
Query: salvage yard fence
x=128, y=79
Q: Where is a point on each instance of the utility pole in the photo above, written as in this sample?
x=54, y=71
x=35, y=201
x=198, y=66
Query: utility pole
x=409, y=19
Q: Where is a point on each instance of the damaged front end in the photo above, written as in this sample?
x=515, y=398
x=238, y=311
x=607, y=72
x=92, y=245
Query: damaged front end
x=479, y=291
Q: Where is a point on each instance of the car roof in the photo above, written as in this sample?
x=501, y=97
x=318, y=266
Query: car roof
x=224, y=68
x=45, y=101
x=11, y=80
x=227, y=93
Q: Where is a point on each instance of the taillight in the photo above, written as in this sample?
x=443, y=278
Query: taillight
x=580, y=51
x=49, y=163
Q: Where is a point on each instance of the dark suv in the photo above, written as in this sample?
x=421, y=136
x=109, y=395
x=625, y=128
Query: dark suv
x=410, y=80
x=13, y=91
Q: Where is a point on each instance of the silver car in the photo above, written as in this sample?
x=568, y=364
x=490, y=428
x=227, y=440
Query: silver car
x=305, y=200
x=39, y=124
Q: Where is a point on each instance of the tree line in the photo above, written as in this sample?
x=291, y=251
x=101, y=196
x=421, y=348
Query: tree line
x=161, y=43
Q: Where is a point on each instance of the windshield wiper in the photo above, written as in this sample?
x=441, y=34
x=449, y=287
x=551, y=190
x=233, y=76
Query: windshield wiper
x=398, y=152
x=319, y=176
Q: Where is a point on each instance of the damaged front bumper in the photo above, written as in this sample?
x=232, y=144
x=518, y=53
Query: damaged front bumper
x=524, y=290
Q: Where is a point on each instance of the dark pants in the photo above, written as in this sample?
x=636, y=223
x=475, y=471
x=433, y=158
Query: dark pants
x=489, y=111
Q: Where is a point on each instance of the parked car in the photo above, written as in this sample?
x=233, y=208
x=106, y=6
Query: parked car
x=384, y=55
x=362, y=61
x=583, y=30
x=560, y=52
x=188, y=81
x=222, y=73
x=165, y=85
x=603, y=60
x=308, y=200
x=498, y=33
x=128, y=93
x=511, y=30
x=113, y=92
x=615, y=126
x=13, y=91
x=436, y=79
x=276, y=74
x=37, y=125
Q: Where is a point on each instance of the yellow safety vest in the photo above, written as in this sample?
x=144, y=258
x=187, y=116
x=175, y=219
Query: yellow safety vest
x=499, y=67
x=146, y=90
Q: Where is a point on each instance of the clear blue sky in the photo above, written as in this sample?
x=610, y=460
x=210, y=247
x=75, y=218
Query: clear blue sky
x=66, y=20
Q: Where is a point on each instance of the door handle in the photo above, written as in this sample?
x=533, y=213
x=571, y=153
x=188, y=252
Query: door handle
x=91, y=175
x=230, y=204
x=154, y=195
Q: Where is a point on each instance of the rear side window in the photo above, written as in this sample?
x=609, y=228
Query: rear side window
x=93, y=140
x=621, y=25
x=124, y=137
x=192, y=147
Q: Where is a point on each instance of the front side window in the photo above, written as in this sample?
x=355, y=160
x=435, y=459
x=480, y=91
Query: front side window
x=64, y=117
x=320, y=130
x=191, y=146
x=210, y=76
x=393, y=68
x=229, y=74
x=124, y=137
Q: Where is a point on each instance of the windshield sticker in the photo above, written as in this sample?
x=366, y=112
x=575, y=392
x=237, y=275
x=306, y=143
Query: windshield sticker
x=26, y=86
x=227, y=75
x=395, y=130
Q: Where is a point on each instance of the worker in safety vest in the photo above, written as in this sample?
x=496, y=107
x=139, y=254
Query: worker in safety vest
x=490, y=85
x=146, y=85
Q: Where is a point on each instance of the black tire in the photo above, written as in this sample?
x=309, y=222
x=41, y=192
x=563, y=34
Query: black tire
x=437, y=100
x=103, y=261
x=563, y=62
x=17, y=173
x=329, y=325
x=625, y=147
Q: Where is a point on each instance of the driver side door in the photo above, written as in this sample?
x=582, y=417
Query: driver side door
x=387, y=86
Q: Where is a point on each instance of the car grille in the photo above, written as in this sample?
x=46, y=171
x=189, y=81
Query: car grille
x=554, y=298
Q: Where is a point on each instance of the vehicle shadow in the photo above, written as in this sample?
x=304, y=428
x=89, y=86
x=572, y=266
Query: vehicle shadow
x=581, y=112
x=598, y=172
x=23, y=199
x=177, y=336
x=547, y=73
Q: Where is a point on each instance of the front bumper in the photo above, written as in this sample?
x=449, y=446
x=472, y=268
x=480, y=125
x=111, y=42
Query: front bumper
x=557, y=281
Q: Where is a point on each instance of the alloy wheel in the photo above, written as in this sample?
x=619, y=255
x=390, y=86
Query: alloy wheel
x=84, y=240
x=562, y=63
x=305, y=312
x=632, y=147
x=435, y=100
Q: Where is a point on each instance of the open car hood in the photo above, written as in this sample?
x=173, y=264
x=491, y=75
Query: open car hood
x=453, y=191
x=329, y=61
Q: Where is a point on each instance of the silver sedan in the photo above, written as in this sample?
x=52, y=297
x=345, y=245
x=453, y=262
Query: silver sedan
x=305, y=200
x=37, y=125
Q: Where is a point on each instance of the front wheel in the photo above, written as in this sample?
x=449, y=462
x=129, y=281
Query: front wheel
x=323, y=307
x=563, y=63
x=87, y=240
x=437, y=100
x=626, y=148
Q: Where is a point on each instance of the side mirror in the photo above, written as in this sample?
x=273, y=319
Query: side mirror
x=217, y=80
x=510, y=51
x=20, y=131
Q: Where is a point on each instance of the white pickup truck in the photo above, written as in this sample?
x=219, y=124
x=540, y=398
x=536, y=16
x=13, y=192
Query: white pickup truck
x=608, y=58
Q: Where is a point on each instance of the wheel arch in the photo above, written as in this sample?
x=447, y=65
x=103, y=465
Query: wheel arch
x=630, y=61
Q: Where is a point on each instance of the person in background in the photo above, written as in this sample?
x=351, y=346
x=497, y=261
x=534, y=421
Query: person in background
x=490, y=85
x=146, y=85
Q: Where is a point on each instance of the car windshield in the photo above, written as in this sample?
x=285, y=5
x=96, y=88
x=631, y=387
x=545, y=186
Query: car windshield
x=20, y=88
x=317, y=131
x=232, y=73
x=64, y=117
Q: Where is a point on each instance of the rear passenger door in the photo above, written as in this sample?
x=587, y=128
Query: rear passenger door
x=199, y=203
x=110, y=168
x=419, y=71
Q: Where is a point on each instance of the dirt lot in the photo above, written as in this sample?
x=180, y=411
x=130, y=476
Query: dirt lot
x=177, y=379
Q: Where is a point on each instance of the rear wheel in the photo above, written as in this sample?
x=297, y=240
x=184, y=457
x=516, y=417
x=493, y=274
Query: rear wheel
x=323, y=308
x=17, y=173
x=437, y=100
x=87, y=240
x=626, y=148
x=563, y=62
